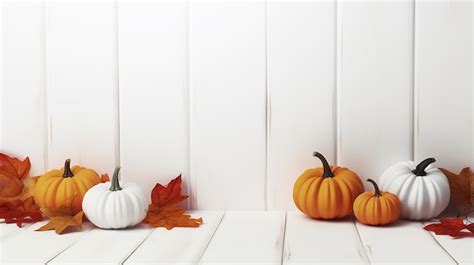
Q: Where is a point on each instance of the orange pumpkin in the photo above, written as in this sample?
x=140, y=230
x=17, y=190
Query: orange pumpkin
x=327, y=192
x=377, y=208
x=55, y=187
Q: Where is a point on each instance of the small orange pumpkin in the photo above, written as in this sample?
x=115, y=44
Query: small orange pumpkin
x=327, y=192
x=377, y=208
x=55, y=187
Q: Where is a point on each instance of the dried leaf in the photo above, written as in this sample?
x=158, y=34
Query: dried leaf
x=162, y=211
x=62, y=218
x=460, y=185
x=20, y=211
x=12, y=173
x=30, y=185
x=170, y=218
x=62, y=223
x=455, y=227
x=11, y=189
x=13, y=167
x=104, y=178
x=168, y=196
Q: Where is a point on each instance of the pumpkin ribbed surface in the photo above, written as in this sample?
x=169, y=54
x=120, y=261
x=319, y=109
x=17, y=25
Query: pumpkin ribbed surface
x=422, y=197
x=53, y=189
x=377, y=208
x=115, y=209
x=327, y=197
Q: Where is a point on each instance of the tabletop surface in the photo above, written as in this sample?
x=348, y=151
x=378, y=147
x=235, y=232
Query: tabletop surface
x=238, y=237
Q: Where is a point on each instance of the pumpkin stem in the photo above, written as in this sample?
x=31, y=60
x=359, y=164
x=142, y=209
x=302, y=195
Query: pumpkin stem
x=67, y=169
x=377, y=192
x=327, y=169
x=420, y=168
x=115, y=181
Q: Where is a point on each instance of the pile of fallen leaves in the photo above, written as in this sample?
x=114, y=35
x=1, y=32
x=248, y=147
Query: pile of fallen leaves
x=462, y=196
x=164, y=211
x=16, y=190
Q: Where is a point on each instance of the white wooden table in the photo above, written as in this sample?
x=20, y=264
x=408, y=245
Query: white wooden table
x=238, y=237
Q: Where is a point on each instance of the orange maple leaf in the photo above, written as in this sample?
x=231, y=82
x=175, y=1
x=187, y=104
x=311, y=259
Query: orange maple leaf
x=12, y=173
x=162, y=211
x=170, y=218
x=168, y=196
x=14, y=167
x=62, y=218
x=20, y=211
x=63, y=222
x=104, y=178
x=462, y=188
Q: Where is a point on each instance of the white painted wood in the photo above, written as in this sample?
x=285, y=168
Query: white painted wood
x=35, y=247
x=404, y=242
x=311, y=241
x=301, y=83
x=247, y=238
x=461, y=249
x=10, y=230
x=81, y=83
x=153, y=91
x=179, y=245
x=444, y=69
x=23, y=107
x=375, y=85
x=104, y=246
x=227, y=82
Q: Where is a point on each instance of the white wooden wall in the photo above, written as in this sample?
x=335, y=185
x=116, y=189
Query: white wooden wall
x=236, y=95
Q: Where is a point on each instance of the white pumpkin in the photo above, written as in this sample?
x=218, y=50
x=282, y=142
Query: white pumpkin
x=423, y=190
x=114, y=205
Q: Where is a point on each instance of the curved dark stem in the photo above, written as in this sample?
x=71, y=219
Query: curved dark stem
x=327, y=169
x=377, y=192
x=67, y=169
x=115, y=185
x=420, y=168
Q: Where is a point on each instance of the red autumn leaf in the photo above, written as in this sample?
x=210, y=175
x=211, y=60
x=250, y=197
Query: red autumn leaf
x=20, y=212
x=167, y=196
x=162, y=211
x=455, y=227
x=14, y=167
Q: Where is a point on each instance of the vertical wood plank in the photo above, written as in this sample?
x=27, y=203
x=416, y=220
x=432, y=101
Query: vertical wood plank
x=375, y=85
x=444, y=82
x=23, y=107
x=247, y=238
x=82, y=82
x=301, y=81
x=153, y=91
x=228, y=121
